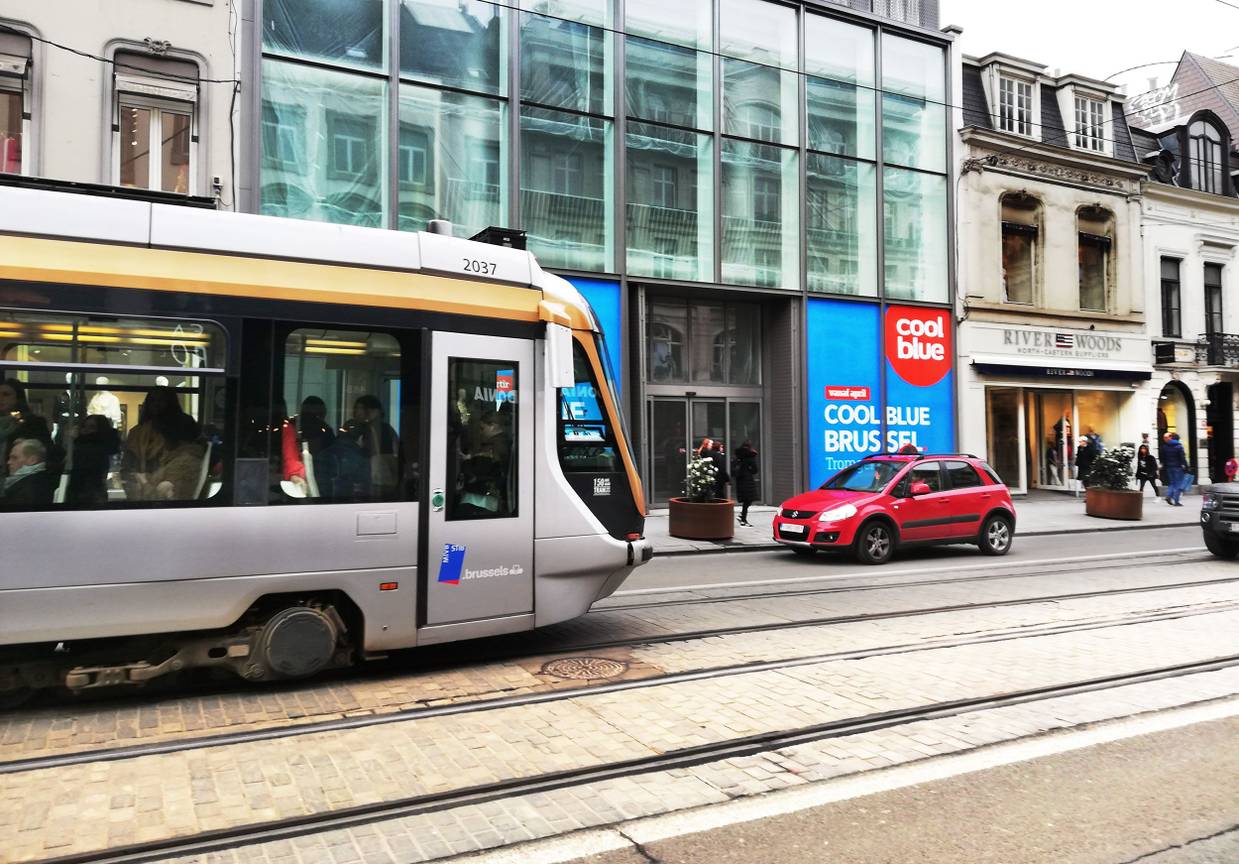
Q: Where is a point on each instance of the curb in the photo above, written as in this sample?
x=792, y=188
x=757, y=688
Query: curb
x=768, y=546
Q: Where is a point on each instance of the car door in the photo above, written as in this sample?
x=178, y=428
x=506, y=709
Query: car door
x=922, y=517
x=966, y=495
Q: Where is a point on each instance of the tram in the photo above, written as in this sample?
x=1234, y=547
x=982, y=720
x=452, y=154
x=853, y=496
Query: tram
x=276, y=447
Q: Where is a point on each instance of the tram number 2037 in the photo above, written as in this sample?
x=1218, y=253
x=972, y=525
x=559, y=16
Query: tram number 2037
x=475, y=265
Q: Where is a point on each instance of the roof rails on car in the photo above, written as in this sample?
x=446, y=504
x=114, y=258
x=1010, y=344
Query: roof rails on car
x=921, y=455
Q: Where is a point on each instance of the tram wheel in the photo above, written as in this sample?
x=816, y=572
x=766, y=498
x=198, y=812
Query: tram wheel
x=297, y=641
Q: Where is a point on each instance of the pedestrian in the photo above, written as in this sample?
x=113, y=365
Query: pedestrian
x=908, y=450
x=1146, y=469
x=1086, y=454
x=721, y=477
x=1231, y=468
x=744, y=469
x=1176, y=470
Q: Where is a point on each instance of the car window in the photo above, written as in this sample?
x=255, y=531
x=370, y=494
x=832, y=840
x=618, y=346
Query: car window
x=864, y=477
x=928, y=474
x=991, y=475
x=962, y=475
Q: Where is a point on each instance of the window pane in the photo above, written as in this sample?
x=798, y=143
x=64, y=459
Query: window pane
x=667, y=333
x=453, y=42
x=482, y=438
x=174, y=172
x=929, y=474
x=1018, y=247
x=586, y=439
x=759, y=30
x=670, y=213
x=842, y=226
x=566, y=172
x=962, y=475
x=174, y=346
x=565, y=64
x=759, y=102
x=586, y=11
x=135, y=146
x=839, y=63
x=323, y=145
x=759, y=215
x=1093, y=260
x=10, y=131
x=915, y=218
x=743, y=346
x=685, y=22
x=451, y=160
x=340, y=31
x=708, y=343
x=913, y=113
x=668, y=84
x=335, y=435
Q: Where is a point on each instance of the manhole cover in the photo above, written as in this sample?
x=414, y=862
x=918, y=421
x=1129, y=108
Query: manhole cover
x=584, y=668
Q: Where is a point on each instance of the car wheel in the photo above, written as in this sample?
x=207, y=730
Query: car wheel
x=996, y=535
x=804, y=551
x=1219, y=547
x=875, y=544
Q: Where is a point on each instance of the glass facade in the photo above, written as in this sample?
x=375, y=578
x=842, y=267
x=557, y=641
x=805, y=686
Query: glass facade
x=740, y=142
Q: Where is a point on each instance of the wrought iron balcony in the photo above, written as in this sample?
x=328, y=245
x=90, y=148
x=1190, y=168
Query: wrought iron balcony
x=1218, y=349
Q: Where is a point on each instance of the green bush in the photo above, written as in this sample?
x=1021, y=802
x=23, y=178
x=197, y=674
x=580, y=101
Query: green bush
x=1114, y=468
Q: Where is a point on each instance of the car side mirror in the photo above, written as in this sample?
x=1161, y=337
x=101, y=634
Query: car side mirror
x=919, y=488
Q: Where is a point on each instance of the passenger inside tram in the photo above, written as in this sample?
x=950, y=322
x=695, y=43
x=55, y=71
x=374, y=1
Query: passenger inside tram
x=93, y=446
x=28, y=484
x=164, y=453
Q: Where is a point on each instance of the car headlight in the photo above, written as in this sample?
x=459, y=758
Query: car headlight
x=1210, y=501
x=846, y=511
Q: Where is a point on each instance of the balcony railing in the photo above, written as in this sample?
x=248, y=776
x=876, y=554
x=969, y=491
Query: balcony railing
x=1218, y=349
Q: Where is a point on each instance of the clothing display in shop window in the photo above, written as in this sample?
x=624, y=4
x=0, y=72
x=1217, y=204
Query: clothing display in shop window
x=105, y=402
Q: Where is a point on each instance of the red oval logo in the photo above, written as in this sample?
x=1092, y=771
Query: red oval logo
x=918, y=344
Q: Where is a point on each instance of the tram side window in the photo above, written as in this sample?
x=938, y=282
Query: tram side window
x=122, y=410
x=482, y=438
x=344, y=426
x=586, y=438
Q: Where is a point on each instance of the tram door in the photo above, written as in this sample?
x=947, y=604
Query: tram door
x=480, y=525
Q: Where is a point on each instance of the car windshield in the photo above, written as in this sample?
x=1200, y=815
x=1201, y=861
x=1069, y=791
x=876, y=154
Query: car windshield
x=864, y=477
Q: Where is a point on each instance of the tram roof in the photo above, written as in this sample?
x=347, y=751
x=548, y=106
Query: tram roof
x=132, y=240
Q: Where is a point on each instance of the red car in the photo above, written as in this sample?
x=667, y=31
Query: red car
x=885, y=502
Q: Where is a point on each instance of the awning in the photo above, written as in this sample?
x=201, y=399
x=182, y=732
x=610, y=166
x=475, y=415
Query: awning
x=1066, y=368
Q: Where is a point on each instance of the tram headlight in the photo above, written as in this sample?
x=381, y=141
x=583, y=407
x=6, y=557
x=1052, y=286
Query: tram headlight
x=838, y=514
x=1211, y=501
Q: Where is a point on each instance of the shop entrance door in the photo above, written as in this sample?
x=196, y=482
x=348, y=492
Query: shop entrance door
x=1005, y=444
x=678, y=424
x=1052, y=439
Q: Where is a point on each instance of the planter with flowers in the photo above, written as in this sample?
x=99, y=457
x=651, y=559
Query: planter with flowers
x=1109, y=495
x=699, y=515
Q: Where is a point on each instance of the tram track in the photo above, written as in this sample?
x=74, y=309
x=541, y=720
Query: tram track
x=338, y=724
x=240, y=836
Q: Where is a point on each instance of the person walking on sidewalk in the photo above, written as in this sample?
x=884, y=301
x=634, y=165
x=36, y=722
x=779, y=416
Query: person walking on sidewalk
x=1231, y=468
x=1146, y=469
x=721, y=477
x=1176, y=469
x=744, y=470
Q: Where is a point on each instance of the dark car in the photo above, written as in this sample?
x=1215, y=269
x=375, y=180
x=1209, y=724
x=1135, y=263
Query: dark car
x=1219, y=519
x=886, y=502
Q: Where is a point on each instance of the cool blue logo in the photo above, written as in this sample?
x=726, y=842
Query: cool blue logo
x=452, y=563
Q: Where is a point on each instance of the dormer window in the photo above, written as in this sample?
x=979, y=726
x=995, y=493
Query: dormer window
x=1090, y=129
x=1015, y=106
x=1205, y=155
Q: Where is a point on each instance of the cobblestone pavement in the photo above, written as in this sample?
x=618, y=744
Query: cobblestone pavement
x=82, y=809
x=131, y=720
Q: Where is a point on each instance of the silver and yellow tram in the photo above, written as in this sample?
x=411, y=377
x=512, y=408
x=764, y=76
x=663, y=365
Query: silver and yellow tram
x=277, y=447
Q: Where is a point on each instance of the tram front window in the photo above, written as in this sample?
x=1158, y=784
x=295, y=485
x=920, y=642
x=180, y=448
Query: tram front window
x=124, y=410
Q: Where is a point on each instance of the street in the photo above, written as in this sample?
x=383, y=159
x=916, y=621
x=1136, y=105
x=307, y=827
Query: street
x=709, y=682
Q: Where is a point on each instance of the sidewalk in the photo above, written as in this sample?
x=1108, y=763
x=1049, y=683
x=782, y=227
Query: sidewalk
x=1043, y=514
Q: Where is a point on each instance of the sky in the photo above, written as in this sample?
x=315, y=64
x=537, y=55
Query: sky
x=1098, y=38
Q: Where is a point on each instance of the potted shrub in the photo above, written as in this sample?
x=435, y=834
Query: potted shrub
x=1109, y=495
x=699, y=515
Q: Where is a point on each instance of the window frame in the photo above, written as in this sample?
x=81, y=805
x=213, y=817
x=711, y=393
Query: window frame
x=157, y=107
x=1089, y=123
x=1105, y=245
x=1172, y=288
x=1214, y=162
x=1033, y=232
x=1214, y=298
x=1012, y=116
x=20, y=86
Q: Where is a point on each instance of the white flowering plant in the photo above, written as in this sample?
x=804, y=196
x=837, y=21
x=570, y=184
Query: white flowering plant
x=1114, y=468
x=699, y=483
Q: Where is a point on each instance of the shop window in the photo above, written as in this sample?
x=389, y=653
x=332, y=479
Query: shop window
x=156, y=148
x=1021, y=225
x=1213, y=299
x=1171, y=304
x=586, y=437
x=342, y=424
x=1095, y=253
x=703, y=343
x=126, y=411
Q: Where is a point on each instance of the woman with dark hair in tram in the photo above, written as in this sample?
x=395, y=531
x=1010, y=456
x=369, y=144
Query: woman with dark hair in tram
x=93, y=448
x=164, y=452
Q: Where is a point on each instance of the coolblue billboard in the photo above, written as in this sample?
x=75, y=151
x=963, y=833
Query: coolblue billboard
x=850, y=348
x=604, y=296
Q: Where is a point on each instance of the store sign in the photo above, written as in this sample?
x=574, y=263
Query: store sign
x=850, y=348
x=1055, y=343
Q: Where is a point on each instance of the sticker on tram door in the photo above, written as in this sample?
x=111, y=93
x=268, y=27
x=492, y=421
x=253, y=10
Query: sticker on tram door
x=452, y=563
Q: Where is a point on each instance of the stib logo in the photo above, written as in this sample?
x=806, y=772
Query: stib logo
x=918, y=344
